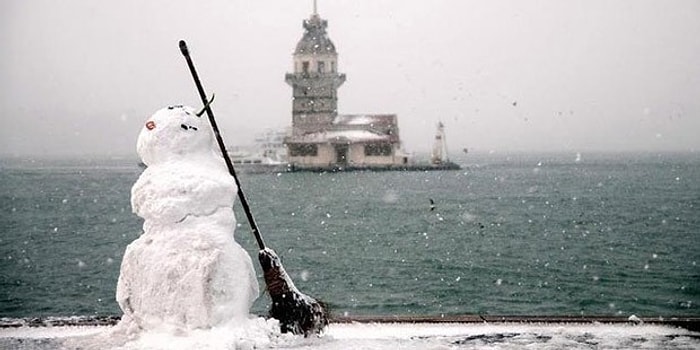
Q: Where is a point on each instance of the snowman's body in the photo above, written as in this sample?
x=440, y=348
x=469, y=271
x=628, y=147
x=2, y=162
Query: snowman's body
x=185, y=270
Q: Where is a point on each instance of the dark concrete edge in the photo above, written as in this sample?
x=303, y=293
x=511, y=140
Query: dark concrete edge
x=691, y=323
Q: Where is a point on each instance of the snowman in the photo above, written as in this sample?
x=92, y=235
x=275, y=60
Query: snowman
x=185, y=271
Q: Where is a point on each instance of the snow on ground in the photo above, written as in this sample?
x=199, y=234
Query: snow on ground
x=370, y=336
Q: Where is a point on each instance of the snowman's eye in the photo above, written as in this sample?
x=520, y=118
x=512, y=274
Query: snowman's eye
x=188, y=127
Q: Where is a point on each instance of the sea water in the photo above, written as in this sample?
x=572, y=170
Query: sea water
x=515, y=234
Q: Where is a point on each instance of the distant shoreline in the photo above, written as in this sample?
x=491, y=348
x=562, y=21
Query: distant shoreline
x=454, y=156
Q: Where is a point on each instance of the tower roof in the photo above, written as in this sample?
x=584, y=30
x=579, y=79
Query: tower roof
x=315, y=39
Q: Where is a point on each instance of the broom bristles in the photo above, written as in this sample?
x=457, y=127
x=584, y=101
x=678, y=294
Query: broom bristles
x=297, y=312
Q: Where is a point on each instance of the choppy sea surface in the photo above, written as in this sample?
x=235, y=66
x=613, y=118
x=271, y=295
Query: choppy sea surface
x=518, y=234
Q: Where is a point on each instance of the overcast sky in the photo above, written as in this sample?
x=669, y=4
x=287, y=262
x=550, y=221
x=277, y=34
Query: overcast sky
x=82, y=76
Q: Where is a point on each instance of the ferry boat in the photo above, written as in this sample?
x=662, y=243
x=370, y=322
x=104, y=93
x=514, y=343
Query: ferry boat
x=267, y=155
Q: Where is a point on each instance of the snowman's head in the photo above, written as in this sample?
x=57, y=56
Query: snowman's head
x=174, y=132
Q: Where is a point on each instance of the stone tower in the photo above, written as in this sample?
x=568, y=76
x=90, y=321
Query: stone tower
x=315, y=79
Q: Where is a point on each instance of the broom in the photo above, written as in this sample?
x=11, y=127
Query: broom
x=297, y=312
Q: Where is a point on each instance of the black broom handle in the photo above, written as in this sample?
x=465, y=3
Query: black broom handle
x=220, y=141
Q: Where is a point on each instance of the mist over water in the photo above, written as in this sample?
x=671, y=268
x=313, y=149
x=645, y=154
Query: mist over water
x=503, y=75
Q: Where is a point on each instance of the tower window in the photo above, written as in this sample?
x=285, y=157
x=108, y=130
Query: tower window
x=378, y=149
x=303, y=150
x=321, y=66
x=305, y=66
x=332, y=66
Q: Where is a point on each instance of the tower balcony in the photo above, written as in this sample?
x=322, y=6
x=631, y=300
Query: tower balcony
x=314, y=79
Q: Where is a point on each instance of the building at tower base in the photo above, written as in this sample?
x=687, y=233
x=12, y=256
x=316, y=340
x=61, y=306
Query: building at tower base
x=321, y=138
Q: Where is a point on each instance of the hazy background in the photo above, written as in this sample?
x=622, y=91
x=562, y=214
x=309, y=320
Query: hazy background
x=81, y=77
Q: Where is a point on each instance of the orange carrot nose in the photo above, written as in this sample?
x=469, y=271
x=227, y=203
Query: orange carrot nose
x=150, y=125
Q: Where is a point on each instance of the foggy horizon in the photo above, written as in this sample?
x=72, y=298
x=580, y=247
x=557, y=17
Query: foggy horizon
x=81, y=77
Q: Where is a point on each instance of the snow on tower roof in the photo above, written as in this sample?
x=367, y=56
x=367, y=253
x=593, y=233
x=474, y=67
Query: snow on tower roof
x=350, y=136
x=315, y=39
x=365, y=119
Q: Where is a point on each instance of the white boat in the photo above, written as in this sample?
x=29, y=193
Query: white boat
x=268, y=154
